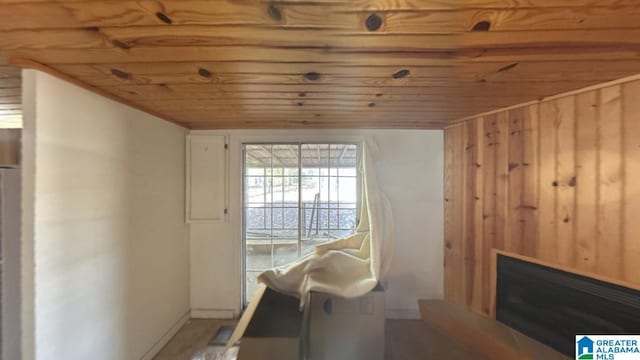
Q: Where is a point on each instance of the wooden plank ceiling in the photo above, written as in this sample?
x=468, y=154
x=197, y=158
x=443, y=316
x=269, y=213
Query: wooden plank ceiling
x=325, y=63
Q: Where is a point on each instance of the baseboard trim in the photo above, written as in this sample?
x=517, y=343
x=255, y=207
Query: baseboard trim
x=155, y=349
x=212, y=314
x=402, y=314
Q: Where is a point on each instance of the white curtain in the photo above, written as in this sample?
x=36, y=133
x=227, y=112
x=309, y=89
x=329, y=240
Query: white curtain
x=348, y=267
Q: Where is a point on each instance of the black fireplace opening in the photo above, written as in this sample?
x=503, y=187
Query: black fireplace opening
x=553, y=306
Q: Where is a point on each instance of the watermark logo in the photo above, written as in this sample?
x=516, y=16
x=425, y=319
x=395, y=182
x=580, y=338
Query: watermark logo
x=585, y=348
x=607, y=347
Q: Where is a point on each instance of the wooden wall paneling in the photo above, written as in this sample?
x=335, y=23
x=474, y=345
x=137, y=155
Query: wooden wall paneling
x=557, y=181
x=489, y=154
x=631, y=237
x=586, y=207
x=547, y=210
x=530, y=181
x=611, y=182
x=566, y=178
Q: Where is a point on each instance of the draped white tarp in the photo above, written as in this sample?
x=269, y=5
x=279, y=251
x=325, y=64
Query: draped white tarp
x=348, y=267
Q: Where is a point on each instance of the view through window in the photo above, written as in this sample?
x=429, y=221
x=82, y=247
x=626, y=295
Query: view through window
x=296, y=196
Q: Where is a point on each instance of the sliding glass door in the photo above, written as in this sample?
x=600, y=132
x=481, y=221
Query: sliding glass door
x=295, y=196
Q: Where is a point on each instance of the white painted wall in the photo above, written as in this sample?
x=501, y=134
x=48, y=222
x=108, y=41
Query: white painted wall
x=109, y=246
x=411, y=174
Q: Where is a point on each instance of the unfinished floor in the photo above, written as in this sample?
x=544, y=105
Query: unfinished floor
x=405, y=340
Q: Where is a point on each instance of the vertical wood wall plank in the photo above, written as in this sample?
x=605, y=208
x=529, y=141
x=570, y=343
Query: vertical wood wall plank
x=472, y=246
x=586, y=217
x=458, y=183
x=610, y=187
x=454, y=239
x=565, y=175
x=529, y=203
x=478, y=223
x=516, y=184
x=502, y=180
x=449, y=273
x=631, y=238
x=489, y=201
x=468, y=218
x=547, y=242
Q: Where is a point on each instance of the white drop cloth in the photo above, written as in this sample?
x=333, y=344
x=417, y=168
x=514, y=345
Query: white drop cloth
x=348, y=267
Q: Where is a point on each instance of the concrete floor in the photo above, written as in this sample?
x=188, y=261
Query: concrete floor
x=405, y=340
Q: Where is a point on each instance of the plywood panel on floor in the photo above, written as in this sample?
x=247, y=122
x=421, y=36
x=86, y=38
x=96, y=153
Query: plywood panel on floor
x=559, y=184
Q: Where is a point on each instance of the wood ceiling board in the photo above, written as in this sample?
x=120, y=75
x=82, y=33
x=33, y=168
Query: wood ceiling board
x=436, y=80
x=233, y=53
x=438, y=97
x=588, y=52
x=228, y=72
x=297, y=102
x=437, y=105
x=333, y=118
x=410, y=5
x=476, y=88
x=382, y=5
x=329, y=41
x=84, y=14
x=312, y=109
x=313, y=124
x=205, y=72
x=147, y=42
x=459, y=68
